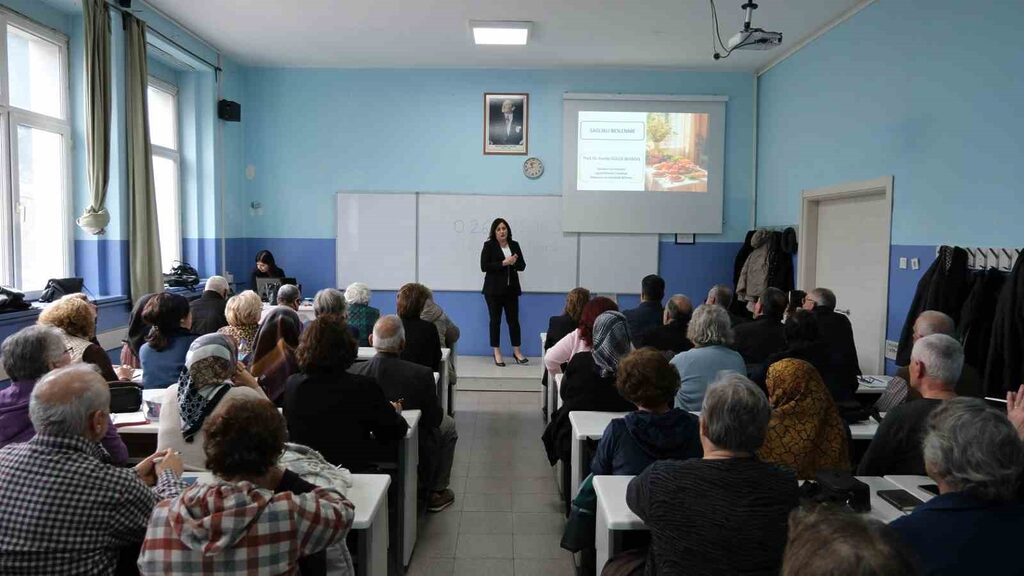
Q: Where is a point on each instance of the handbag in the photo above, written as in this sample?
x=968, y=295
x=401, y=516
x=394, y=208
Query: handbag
x=125, y=397
x=57, y=287
x=840, y=488
x=579, y=528
x=184, y=275
x=11, y=300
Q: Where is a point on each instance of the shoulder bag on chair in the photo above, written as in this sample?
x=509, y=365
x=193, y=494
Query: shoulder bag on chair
x=57, y=287
x=125, y=397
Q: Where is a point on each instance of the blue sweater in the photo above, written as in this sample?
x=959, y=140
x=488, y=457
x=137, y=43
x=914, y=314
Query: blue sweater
x=698, y=368
x=161, y=368
x=631, y=444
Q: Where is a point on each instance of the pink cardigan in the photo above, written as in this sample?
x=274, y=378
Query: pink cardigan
x=565, y=349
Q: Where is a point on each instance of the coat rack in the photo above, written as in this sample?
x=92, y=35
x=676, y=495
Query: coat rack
x=983, y=258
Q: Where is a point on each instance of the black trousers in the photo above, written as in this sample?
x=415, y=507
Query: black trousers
x=495, y=304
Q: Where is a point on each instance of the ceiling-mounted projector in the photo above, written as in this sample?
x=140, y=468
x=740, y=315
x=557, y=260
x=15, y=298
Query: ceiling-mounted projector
x=747, y=39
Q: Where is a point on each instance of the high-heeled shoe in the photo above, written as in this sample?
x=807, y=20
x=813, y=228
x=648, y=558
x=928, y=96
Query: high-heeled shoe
x=523, y=360
x=499, y=364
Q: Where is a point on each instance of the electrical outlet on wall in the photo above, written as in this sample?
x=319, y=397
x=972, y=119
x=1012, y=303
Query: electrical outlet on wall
x=903, y=262
x=890, y=349
x=915, y=263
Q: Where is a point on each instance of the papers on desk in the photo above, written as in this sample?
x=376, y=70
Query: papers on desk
x=129, y=419
x=879, y=383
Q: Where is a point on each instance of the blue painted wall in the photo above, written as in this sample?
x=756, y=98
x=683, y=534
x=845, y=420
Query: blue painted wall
x=924, y=96
x=323, y=131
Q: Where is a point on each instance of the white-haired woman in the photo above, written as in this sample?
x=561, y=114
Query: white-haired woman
x=361, y=315
x=243, y=315
x=711, y=333
x=974, y=455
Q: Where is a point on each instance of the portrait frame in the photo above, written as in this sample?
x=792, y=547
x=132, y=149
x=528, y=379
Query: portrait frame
x=506, y=138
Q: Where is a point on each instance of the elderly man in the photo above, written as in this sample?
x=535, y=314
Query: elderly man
x=834, y=329
x=934, y=322
x=208, y=310
x=63, y=508
x=671, y=335
x=410, y=385
x=765, y=335
x=721, y=295
x=935, y=365
x=973, y=526
x=289, y=295
x=649, y=314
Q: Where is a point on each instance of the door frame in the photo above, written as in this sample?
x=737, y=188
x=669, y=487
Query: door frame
x=807, y=255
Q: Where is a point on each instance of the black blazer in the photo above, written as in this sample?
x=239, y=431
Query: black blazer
x=406, y=381
x=501, y=280
x=422, y=344
x=669, y=337
x=642, y=319
x=559, y=327
x=343, y=416
x=758, y=339
x=208, y=313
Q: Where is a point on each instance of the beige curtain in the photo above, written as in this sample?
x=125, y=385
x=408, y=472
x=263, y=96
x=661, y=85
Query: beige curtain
x=144, y=239
x=97, y=112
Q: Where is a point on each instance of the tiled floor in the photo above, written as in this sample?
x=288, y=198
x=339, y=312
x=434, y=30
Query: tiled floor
x=506, y=519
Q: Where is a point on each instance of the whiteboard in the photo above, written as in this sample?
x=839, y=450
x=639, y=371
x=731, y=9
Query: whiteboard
x=617, y=263
x=376, y=241
x=453, y=228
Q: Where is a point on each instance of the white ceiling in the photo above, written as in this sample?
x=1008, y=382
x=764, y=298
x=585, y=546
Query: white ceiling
x=434, y=33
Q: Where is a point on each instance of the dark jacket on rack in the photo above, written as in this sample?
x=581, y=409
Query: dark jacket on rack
x=501, y=280
x=943, y=287
x=977, y=317
x=780, y=260
x=1005, y=369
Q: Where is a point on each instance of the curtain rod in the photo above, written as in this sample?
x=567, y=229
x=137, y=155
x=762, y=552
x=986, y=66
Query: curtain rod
x=217, y=69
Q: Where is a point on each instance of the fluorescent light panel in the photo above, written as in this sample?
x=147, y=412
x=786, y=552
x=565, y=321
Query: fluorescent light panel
x=501, y=33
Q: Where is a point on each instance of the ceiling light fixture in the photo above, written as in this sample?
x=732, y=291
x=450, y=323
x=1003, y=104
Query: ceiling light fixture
x=500, y=32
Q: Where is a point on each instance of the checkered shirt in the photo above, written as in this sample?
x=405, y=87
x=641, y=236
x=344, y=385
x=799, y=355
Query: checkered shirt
x=238, y=528
x=65, y=510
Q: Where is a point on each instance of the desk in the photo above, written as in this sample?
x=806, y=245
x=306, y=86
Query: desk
x=872, y=384
x=613, y=515
x=585, y=426
x=557, y=391
x=913, y=485
x=547, y=407
x=408, y=462
x=305, y=312
x=368, y=495
x=445, y=391
x=864, y=430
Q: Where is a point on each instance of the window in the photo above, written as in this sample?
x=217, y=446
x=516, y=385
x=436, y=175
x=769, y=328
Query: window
x=35, y=138
x=162, y=100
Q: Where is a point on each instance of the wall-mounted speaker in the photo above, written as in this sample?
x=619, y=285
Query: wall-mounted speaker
x=229, y=111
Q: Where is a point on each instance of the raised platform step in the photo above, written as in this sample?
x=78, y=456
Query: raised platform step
x=480, y=373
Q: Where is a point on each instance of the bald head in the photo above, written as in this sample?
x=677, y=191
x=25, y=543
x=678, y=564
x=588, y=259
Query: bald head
x=679, y=307
x=72, y=401
x=721, y=295
x=388, y=334
x=933, y=322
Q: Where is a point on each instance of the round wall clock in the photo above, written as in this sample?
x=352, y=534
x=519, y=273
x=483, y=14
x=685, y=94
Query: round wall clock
x=533, y=168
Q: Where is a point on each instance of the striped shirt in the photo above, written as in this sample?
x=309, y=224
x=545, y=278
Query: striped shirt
x=65, y=510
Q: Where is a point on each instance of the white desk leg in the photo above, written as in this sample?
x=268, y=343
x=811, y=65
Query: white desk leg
x=410, y=464
x=602, y=540
x=447, y=394
x=378, y=543
x=576, y=475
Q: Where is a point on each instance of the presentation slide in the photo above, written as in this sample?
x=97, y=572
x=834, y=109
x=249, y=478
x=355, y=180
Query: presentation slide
x=642, y=151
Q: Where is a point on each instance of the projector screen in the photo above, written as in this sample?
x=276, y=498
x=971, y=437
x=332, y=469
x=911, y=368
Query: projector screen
x=643, y=164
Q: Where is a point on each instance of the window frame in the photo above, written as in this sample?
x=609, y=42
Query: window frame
x=172, y=154
x=10, y=118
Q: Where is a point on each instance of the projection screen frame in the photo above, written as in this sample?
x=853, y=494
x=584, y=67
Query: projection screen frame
x=618, y=211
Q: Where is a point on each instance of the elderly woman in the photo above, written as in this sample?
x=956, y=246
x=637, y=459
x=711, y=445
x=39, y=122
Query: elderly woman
x=725, y=513
x=806, y=433
x=422, y=344
x=27, y=355
x=974, y=455
x=343, y=416
x=243, y=314
x=76, y=320
x=579, y=340
x=254, y=509
x=589, y=383
x=212, y=376
x=824, y=541
x=710, y=330
x=656, y=430
x=163, y=354
x=361, y=315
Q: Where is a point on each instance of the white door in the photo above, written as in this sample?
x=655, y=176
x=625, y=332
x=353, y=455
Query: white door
x=846, y=234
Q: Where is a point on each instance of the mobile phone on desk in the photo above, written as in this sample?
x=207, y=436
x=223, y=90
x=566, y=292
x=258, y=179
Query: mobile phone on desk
x=903, y=501
x=930, y=488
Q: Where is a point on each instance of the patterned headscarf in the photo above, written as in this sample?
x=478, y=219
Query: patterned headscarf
x=209, y=364
x=805, y=433
x=611, y=341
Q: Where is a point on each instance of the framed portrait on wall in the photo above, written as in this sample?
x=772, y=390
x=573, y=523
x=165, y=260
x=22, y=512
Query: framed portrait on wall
x=506, y=123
